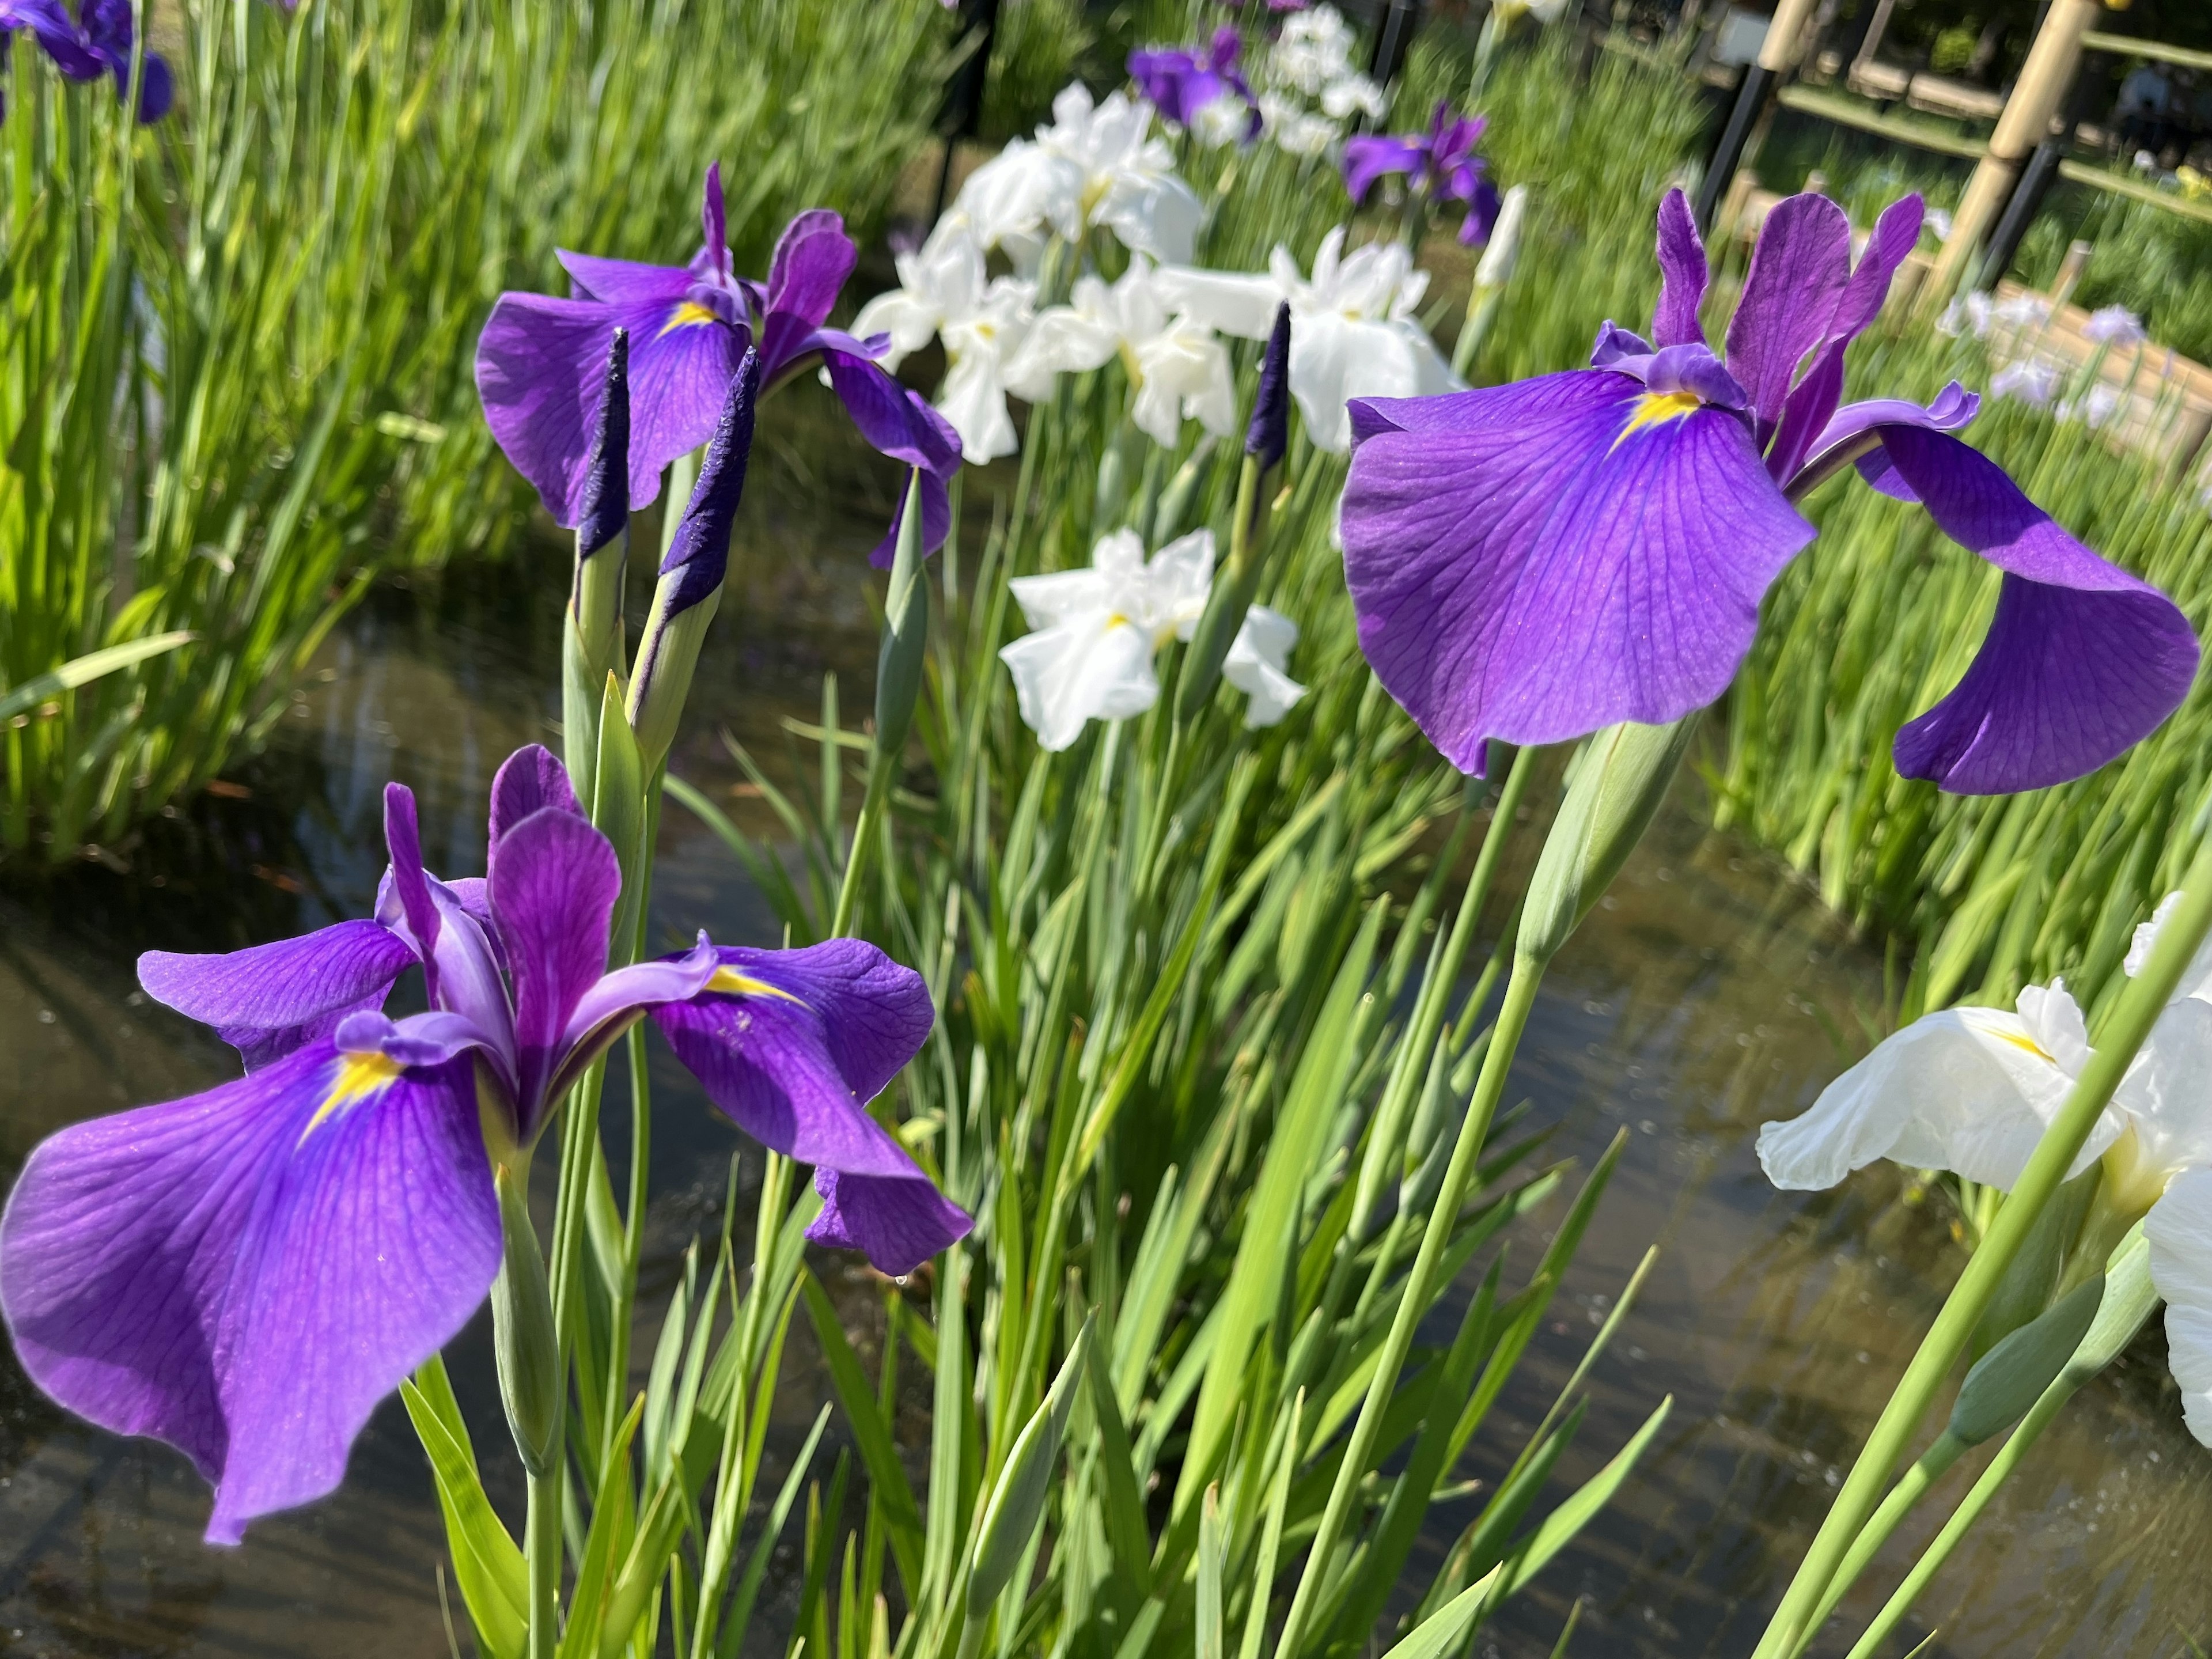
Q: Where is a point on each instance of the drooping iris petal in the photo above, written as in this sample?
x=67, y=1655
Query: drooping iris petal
x=1370, y=156
x=793, y=1044
x=1536, y=560
x=897, y=422
x=898, y=1224
x=2081, y=661
x=621, y=281
x=268, y=1000
x=246, y=1273
x=540, y=368
x=1966, y=1090
x=1682, y=275
x=553, y=893
x=2178, y=1229
x=1952, y=411
x=1798, y=273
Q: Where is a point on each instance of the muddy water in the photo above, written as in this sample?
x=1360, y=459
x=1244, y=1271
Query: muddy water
x=1710, y=993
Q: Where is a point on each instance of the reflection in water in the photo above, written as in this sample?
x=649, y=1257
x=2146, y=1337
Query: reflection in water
x=1707, y=994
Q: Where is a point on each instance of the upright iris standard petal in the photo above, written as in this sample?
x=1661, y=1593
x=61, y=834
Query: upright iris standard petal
x=269, y=1000
x=1797, y=277
x=1536, y=560
x=528, y=782
x=246, y=1273
x=807, y=271
x=793, y=1044
x=1682, y=275
x=2081, y=659
x=553, y=891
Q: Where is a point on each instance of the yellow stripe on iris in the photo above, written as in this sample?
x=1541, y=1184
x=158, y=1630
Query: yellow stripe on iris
x=1656, y=407
x=358, y=1076
x=2021, y=1041
x=731, y=983
x=690, y=314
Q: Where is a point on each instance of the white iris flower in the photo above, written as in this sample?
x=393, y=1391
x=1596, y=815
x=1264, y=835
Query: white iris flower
x=944, y=292
x=1971, y=1090
x=1097, y=164
x=1177, y=369
x=1097, y=630
x=1353, y=333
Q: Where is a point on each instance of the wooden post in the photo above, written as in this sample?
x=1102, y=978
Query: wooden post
x=2044, y=79
x=1778, y=53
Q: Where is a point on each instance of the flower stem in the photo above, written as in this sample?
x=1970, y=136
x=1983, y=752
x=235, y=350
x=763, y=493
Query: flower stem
x=542, y=1542
x=1419, y=1293
x=2140, y=1005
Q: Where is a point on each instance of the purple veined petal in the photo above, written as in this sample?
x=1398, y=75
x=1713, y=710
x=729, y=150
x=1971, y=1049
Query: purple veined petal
x=2081, y=660
x=246, y=1273
x=1693, y=369
x=419, y=1039
x=472, y=982
x=268, y=1000
x=611, y=1006
x=898, y=1224
x=793, y=1044
x=895, y=420
x=418, y=911
x=714, y=250
x=553, y=893
x=1369, y=157
x=1682, y=275
x=812, y=259
x=529, y=781
x=541, y=369
x=1484, y=204
x=624, y=282
x=1805, y=412
x=1894, y=236
x=1615, y=343
x=58, y=35
x=936, y=522
x=1954, y=409
x=1535, y=561
x=1798, y=272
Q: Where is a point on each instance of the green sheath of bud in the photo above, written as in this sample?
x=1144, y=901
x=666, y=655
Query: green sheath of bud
x=1620, y=777
x=900, y=661
x=524, y=1335
x=2011, y=1375
x=1018, y=1502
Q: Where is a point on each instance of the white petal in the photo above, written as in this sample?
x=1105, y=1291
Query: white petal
x=911, y=322
x=2055, y=1025
x=1157, y=412
x=976, y=403
x=1242, y=303
x=1092, y=667
x=1119, y=558
x=2178, y=1229
x=2197, y=978
x=1049, y=601
x=1156, y=216
x=1255, y=662
x=1965, y=1090
x=1061, y=341
x=1178, y=579
x=1323, y=345
x=2167, y=1093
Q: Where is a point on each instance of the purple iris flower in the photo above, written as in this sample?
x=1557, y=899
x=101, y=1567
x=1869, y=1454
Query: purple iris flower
x=1179, y=83
x=540, y=362
x=1440, y=165
x=1537, y=560
x=245, y=1274
x=96, y=42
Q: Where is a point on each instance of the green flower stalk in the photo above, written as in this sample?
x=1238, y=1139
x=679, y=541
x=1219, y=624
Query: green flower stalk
x=690, y=586
x=591, y=645
x=1265, y=442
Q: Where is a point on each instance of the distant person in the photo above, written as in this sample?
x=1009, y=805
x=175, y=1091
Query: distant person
x=2146, y=97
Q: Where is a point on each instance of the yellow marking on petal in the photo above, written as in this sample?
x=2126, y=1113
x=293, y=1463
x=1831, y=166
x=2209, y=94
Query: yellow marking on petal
x=359, y=1077
x=2027, y=1044
x=731, y=983
x=1115, y=619
x=1654, y=408
x=690, y=314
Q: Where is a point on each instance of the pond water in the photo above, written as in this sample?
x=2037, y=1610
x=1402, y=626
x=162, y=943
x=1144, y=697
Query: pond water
x=1709, y=994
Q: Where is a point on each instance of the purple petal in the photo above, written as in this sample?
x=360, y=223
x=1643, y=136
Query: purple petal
x=1615, y=343
x=1798, y=272
x=430, y=1039
x=1954, y=409
x=601, y=1014
x=1682, y=275
x=553, y=893
x=409, y=884
x=245, y=1273
x=528, y=782
x=713, y=223
x=2081, y=659
x=898, y=1224
x=1533, y=562
x=936, y=522
x=269, y=1000
x=1483, y=206
x=812, y=259
x=1368, y=156
x=624, y=282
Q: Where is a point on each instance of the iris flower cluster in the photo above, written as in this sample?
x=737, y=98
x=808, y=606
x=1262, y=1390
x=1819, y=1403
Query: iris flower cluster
x=94, y=42
x=1535, y=561
x=1439, y=165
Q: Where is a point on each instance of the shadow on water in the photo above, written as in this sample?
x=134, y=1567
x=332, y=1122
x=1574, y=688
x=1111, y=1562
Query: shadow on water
x=1709, y=992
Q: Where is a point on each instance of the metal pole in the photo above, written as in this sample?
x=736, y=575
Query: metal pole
x=1777, y=53
x=962, y=113
x=2026, y=123
x=1400, y=19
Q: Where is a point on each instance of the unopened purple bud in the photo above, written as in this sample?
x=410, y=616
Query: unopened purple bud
x=700, y=554
x=1269, y=434
x=604, y=512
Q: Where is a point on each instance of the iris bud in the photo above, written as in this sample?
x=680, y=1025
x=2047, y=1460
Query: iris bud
x=1018, y=1502
x=1492, y=274
x=592, y=646
x=2012, y=1376
x=1620, y=777
x=690, y=585
x=905, y=633
x=1265, y=441
x=526, y=1340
